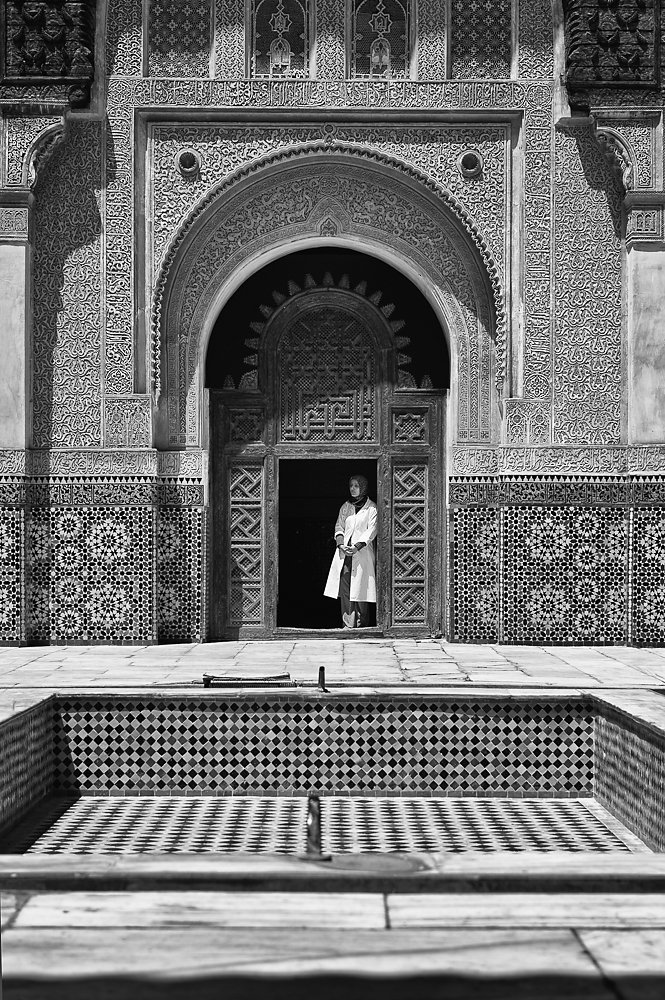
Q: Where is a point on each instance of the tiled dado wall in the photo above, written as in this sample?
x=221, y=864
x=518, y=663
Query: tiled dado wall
x=630, y=775
x=545, y=560
x=291, y=744
x=27, y=756
x=104, y=560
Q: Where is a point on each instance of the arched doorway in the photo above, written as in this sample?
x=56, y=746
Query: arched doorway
x=323, y=387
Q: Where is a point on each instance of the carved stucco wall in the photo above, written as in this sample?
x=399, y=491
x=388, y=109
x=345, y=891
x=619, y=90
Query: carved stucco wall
x=357, y=198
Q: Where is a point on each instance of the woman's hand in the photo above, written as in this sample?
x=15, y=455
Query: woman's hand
x=348, y=550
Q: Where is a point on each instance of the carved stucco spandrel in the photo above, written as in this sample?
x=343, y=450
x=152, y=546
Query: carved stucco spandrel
x=29, y=142
x=388, y=203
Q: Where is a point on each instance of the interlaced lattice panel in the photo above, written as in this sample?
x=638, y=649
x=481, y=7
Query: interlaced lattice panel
x=280, y=38
x=330, y=40
x=648, y=583
x=11, y=574
x=410, y=544
x=565, y=574
x=251, y=746
x=630, y=777
x=179, y=38
x=327, y=378
x=410, y=426
x=175, y=824
x=380, y=38
x=180, y=574
x=481, y=39
x=91, y=573
x=475, y=574
x=245, y=546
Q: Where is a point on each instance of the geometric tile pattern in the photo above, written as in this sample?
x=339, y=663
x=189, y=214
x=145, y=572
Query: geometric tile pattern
x=179, y=38
x=630, y=776
x=565, y=574
x=11, y=575
x=350, y=825
x=90, y=574
x=474, y=533
x=648, y=578
x=116, y=746
x=26, y=760
x=410, y=511
x=278, y=825
x=481, y=39
x=180, y=573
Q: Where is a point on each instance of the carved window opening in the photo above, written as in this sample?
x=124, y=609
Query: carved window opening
x=481, y=39
x=380, y=42
x=279, y=38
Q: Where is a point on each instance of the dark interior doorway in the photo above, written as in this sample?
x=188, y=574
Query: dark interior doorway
x=311, y=491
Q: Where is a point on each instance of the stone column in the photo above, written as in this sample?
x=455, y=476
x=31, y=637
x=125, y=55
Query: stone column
x=15, y=317
x=645, y=245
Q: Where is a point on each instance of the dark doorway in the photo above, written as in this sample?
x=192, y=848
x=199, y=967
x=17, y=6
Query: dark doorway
x=311, y=491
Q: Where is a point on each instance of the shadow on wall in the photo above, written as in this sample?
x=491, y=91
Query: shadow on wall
x=67, y=336
x=329, y=987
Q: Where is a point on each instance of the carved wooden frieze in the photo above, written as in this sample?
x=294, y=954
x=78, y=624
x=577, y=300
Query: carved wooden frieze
x=47, y=40
x=611, y=43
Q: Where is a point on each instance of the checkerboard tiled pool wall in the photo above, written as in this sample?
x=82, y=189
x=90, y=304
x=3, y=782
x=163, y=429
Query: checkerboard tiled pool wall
x=630, y=775
x=348, y=745
x=26, y=760
x=286, y=745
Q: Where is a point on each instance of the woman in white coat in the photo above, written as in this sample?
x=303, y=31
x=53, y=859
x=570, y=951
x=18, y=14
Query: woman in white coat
x=352, y=575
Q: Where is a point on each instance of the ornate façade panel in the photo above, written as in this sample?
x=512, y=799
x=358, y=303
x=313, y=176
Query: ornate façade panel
x=565, y=574
x=537, y=246
x=270, y=212
x=90, y=573
x=229, y=39
x=535, y=32
x=330, y=40
x=435, y=150
x=181, y=572
x=12, y=565
x=433, y=28
x=124, y=38
x=119, y=241
x=611, y=44
x=481, y=44
x=474, y=572
x=410, y=496
x=380, y=38
x=588, y=346
x=67, y=344
x=279, y=38
x=179, y=37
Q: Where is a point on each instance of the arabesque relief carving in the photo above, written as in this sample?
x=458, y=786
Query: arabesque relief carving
x=385, y=210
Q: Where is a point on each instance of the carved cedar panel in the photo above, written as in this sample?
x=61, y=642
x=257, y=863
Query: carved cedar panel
x=410, y=520
x=330, y=40
x=245, y=545
x=326, y=378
